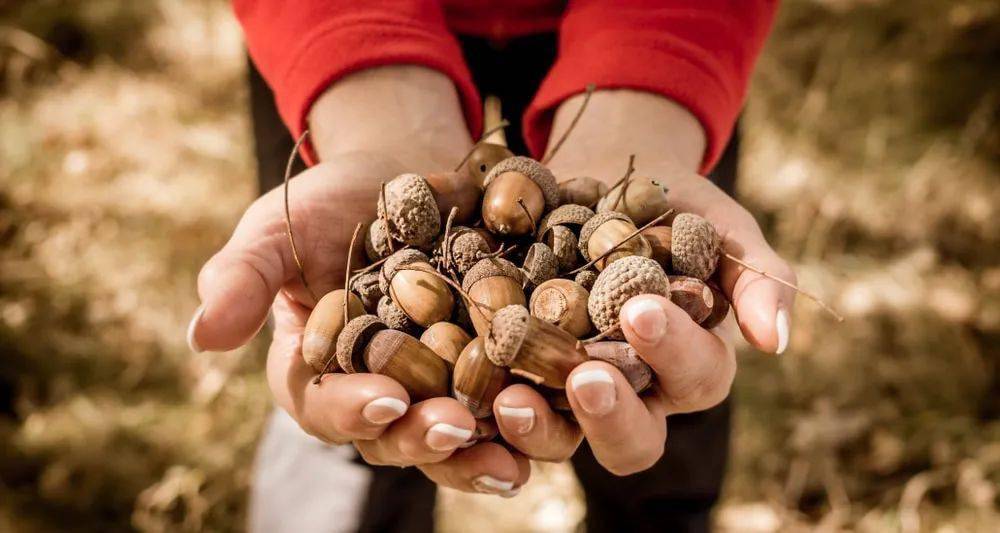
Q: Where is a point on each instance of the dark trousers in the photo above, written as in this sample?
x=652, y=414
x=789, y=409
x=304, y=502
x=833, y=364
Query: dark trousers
x=677, y=493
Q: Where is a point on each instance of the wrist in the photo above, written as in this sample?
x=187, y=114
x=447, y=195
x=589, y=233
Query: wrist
x=410, y=113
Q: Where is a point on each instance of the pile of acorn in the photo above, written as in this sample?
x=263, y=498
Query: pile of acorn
x=511, y=283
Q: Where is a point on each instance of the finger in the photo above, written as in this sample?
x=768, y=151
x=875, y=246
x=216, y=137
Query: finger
x=694, y=367
x=487, y=468
x=429, y=432
x=528, y=423
x=342, y=407
x=626, y=434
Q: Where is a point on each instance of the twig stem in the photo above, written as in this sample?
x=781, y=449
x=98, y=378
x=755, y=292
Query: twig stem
x=826, y=307
x=572, y=124
x=629, y=237
x=288, y=215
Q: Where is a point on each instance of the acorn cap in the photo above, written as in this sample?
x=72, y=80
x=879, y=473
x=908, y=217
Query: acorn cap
x=399, y=259
x=490, y=267
x=625, y=358
x=694, y=246
x=412, y=211
x=535, y=171
x=564, y=246
x=564, y=215
x=540, y=264
x=509, y=328
x=586, y=278
x=467, y=247
x=366, y=286
x=353, y=339
x=394, y=317
x=627, y=277
x=377, y=241
x=595, y=222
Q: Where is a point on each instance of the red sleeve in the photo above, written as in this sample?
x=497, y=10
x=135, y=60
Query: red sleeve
x=302, y=46
x=699, y=53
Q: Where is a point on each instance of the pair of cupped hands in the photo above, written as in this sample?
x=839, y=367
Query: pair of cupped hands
x=255, y=274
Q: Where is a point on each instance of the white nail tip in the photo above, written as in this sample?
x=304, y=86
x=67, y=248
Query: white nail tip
x=781, y=326
x=590, y=376
x=191, y=341
x=637, y=309
x=494, y=484
x=448, y=429
x=517, y=412
x=395, y=404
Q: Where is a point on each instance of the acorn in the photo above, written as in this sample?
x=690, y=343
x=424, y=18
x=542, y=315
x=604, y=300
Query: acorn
x=411, y=210
x=540, y=264
x=644, y=200
x=468, y=246
x=424, y=297
x=624, y=357
x=583, y=191
x=586, y=278
x=623, y=279
x=477, y=381
x=377, y=239
x=367, y=288
x=604, y=231
x=513, y=181
x=452, y=189
x=694, y=246
x=325, y=322
x=494, y=283
x=484, y=157
x=564, y=245
x=394, y=317
x=447, y=340
x=368, y=345
x=563, y=303
x=572, y=215
x=533, y=348
x=659, y=238
x=720, y=308
x=693, y=296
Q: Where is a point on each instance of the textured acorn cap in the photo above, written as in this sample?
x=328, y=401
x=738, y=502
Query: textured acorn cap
x=467, y=247
x=565, y=215
x=353, y=339
x=394, y=317
x=591, y=226
x=509, y=328
x=366, y=286
x=627, y=277
x=540, y=264
x=624, y=357
x=564, y=246
x=694, y=246
x=535, y=171
x=489, y=267
x=377, y=241
x=586, y=278
x=399, y=259
x=412, y=211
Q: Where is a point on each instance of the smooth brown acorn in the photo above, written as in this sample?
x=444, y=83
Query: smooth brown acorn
x=583, y=191
x=533, y=348
x=493, y=283
x=563, y=303
x=605, y=231
x=477, y=381
x=623, y=279
x=492, y=149
x=447, y=340
x=368, y=345
x=455, y=189
x=659, y=239
x=643, y=200
x=693, y=296
x=720, y=309
x=518, y=192
x=325, y=322
x=424, y=297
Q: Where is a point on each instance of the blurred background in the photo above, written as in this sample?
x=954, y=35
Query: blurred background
x=872, y=160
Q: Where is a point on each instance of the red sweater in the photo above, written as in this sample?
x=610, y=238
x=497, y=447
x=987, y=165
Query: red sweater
x=698, y=53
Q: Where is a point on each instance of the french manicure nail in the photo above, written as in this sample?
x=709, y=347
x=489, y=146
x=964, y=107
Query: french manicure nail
x=781, y=325
x=595, y=390
x=519, y=419
x=510, y=493
x=384, y=410
x=491, y=485
x=647, y=320
x=192, y=342
x=446, y=437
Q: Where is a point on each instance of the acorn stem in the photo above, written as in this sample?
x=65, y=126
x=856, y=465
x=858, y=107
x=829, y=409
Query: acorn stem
x=826, y=307
x=288, y=215
x=572, y=124
x=530, y=376
x=347, y=296
x=624, y=181
x=604, y=334
x=376, y=264
x=503, y=124
x=534, y=228
x=385, y=220
x=445, y=240
x=629, y=237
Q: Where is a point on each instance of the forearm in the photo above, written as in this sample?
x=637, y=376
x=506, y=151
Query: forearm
x=410, y=113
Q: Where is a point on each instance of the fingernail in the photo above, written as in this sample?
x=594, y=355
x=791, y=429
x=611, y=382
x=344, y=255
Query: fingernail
x=647, y=320
x=595, y=390
x=492, y=485
x=446, y=437
x=510, y=493
x=518, y=419
x=781, y=325
x=384, y=410
x=192, y=342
